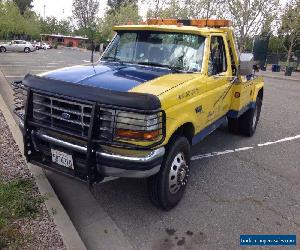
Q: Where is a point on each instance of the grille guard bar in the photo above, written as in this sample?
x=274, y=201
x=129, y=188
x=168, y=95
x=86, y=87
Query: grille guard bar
x=92, y=175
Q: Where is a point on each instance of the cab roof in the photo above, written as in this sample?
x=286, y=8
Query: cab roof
x=194, y=26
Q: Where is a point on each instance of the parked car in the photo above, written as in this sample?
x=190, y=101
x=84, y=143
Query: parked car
x=38, y=45
x=17, y=45
x=46, y=46
x=156, y=91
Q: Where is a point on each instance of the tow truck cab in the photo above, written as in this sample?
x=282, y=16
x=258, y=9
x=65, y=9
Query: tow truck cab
x=158, y=89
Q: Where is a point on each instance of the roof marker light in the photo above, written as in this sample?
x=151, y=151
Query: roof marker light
x=216, y=23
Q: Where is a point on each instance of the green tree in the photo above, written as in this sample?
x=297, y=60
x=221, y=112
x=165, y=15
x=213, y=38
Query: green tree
x=116, y=4
x=15, y=25
x=53, y=26
x=289, y=30
x=65, y=26
x=250, y=17
x=184, y=8
x=49, y=25
x=11, y=20
x=275, y=45
x=205, y=8
x=23, y=5
x=126, y=13
x=85, y=12
x=171, y=9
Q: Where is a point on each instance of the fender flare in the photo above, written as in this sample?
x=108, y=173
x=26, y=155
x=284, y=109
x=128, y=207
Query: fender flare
x=258, y=88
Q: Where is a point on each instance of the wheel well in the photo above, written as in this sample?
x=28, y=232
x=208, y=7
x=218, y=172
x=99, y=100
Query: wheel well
x=186, y=130
x=261, y=93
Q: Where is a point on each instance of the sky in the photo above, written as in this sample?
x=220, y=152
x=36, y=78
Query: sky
x=63, y=8
x=60, y=8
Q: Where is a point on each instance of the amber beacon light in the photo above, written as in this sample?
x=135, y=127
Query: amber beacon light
x=215, y=23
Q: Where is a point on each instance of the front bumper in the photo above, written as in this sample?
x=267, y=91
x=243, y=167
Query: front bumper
x=107, y=163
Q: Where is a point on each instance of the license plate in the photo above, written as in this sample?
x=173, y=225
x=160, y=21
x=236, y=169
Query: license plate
x=62, y=158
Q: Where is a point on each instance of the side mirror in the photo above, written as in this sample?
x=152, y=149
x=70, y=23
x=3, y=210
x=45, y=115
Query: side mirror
x=246, y=64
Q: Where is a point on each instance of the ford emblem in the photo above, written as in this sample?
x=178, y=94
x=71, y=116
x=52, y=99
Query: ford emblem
x=66, y=116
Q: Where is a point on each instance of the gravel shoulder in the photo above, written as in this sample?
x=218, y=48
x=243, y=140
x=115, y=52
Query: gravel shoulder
x=36, y=232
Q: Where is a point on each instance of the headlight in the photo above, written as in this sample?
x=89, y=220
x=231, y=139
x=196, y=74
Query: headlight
x=123, y=125
x=137, y=126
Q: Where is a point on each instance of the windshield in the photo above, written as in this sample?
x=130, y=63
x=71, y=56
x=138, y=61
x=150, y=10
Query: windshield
x=173, y=50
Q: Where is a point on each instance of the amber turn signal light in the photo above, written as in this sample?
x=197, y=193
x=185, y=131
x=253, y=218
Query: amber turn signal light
x=137, y=135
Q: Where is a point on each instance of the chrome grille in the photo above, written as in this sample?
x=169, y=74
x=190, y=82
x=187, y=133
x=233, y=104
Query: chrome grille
x=70, y=116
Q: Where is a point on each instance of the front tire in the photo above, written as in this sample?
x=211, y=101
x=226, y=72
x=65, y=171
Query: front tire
x=2, y=49
x=167, y=187
x=27, y=50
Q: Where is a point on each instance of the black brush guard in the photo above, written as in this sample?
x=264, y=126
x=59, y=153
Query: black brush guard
x=86, y=167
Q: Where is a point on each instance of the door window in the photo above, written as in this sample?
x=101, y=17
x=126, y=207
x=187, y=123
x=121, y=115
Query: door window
x=217, y=60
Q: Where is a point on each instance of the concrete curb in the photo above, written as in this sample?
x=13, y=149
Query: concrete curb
x=64, y=225
x=280, y=77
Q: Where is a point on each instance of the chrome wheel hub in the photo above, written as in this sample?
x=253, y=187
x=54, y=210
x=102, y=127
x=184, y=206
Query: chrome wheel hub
x=179, y=173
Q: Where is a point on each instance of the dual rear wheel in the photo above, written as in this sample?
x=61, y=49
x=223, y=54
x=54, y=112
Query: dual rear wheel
x=247, y=122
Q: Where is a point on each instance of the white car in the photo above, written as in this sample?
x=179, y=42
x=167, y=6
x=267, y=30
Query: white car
x=38, y=45
x=17, y=45
x=46, y=46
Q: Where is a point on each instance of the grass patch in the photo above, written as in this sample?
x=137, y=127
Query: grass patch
x=16, y=202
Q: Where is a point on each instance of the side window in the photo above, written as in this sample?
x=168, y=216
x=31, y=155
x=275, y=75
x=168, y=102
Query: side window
x=217, y=60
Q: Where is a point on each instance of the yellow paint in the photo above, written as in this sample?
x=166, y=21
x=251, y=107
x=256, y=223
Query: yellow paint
x=182, y=93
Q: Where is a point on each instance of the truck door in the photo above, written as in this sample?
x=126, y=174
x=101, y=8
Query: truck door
x=219, y=79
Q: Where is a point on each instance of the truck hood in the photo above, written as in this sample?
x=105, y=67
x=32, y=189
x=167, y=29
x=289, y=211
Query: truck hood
x=111, y=76
x=121, y=77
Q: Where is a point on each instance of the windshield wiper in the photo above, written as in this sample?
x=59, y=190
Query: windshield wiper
x=173, y=68
x=111, y=58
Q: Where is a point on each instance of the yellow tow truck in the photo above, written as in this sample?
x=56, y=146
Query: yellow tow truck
x=159, y=88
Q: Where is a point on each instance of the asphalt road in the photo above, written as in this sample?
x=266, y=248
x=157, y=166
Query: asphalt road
x=238, y=185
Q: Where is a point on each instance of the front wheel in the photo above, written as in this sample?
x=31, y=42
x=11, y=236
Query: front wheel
x=167, y=187
x=26, y=50
x=2, y=49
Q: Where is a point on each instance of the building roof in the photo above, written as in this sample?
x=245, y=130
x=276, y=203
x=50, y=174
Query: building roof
x=64, y=36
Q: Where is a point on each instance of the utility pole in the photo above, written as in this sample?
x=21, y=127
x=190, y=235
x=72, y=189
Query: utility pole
x=44, y=12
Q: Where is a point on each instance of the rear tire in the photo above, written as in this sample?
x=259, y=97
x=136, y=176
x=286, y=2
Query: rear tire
x=248, y=121
x=2, y=49
x=167, y=187
x=27, y=50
